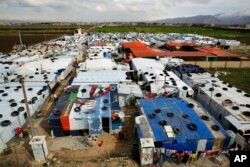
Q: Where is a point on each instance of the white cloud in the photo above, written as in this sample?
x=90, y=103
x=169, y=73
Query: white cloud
x=101, y=8
x=115, y=10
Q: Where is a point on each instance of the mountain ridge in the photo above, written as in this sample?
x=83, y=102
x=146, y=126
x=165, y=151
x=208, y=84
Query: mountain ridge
x=239, y=18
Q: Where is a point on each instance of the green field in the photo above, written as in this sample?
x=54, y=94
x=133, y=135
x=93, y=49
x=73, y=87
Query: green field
x=242, y=35
x=240, y=78
x=32, y=34
x=39, y=29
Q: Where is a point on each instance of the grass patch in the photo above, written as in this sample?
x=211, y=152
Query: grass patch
x=240, y=78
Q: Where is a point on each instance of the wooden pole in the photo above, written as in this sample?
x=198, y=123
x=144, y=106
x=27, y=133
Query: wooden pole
x=27, y=106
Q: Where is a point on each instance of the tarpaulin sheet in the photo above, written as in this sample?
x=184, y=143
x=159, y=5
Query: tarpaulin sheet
x=187, y=138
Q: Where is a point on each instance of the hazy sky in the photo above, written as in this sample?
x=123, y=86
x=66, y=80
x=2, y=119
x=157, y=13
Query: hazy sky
x=114, y=10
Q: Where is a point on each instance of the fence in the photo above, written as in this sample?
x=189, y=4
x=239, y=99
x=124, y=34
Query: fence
x=221, y=64
x=240, y=47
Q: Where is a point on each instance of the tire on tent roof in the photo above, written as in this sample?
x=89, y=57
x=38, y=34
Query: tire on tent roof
x=202, y=85
x=192, y=126
x=31, y=102
x=185, y=116
x=22, y=101
x=34, y=98
x=105, y=101
x=211, y=89
x=104, y=108
x=163, y=123
x=20, y=109
x=1, y=115
x=83, y=90
x=158, y=110
x=235, y=108
x=218, y=94
x=5, y=123
x=151, y=115
x=246, y=113
x=39, y=93
x=77, y=109
x=1, y=91
x=190, y=105
x=57, y=113
x=13, y=104
x=7, y=87
x=215, y=127
x=170, y=114
x=185, y=88
x=177, y=130
x=204, y=117
x=14, y=113
x=11, y=100
x=112, y=88
x=247, y=95
x=5, y=94
x=30, y=89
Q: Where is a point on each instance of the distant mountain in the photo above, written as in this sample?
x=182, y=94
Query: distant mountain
x=241, y=18
x=12, y=21
x=22, y=21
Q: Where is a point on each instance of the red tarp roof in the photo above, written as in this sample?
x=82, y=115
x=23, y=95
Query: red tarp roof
x=148, y=52
x=174, y=44
x=217, y=52
x=129, y=45
x=140, y=49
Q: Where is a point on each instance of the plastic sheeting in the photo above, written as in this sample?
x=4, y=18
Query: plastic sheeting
x=101, y=77
x=54, y=118
x=222, y=99
x=161, y=82
x=94, y=107
x=185, y=139
x=103, y=64
x=12, y=103
x=51, y=65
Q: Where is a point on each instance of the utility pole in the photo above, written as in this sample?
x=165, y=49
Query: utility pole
x=20, y=39
x=27, y=106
